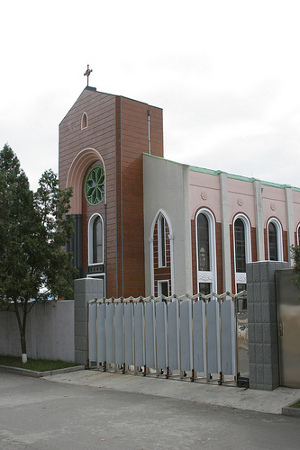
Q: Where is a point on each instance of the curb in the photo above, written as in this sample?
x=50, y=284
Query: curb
x=33, y=373
x=290, y=411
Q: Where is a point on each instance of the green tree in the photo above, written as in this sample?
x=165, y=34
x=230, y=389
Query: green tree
x=33, y=233
x=295, y=253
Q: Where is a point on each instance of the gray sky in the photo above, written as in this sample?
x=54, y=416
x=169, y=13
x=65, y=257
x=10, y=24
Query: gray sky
x=226, y=74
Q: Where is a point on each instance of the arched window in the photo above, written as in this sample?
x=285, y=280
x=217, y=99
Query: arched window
x=242, y=250
x=161, y=241
x=206, y=251
x=161, y=255
x=84, y=121
x=298, y=234
x=240, y=246
x=203, y=242
x=275, y=249
x=95, y=235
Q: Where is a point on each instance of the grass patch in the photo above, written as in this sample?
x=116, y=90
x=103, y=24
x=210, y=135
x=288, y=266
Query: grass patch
x=39, y=365
x=296, y=405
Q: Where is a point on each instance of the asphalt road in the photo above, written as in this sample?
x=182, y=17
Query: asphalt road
x=41, y=414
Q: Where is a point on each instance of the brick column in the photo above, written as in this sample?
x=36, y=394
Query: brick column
x=85, y=289
x=262, y=324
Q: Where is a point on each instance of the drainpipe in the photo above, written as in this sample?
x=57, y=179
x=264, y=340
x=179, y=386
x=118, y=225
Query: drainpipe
x=149, y=147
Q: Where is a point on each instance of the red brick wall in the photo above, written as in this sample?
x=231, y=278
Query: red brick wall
x=266, y=244
x=118, y=130
x=194, y=257
x=134, y=132
x=285, y=246
x=100, y=135
x=253, y=244
x=219, y=257
x=232, y=259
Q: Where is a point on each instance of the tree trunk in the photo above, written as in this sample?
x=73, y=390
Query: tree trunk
x=23, y=342
x=22, y=327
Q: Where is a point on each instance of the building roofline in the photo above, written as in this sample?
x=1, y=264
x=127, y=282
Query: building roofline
x=230, y=175
x=243, y=178
x=93, y=89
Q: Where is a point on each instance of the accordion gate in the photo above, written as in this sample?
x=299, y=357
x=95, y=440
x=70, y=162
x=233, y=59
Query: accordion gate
x=188, y=336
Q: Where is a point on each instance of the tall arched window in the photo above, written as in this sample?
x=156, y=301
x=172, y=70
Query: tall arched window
x=203, y=242
x=161, y=255
x=206, y=252
x=275, y=249
x=240, y=246
x=162, y=241
x=96, y=244
x=242, y=250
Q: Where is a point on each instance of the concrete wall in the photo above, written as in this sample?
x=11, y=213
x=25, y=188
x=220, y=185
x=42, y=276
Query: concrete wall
x=166, y=188
x=262, y=324
x=85, y=289
x=49, y=331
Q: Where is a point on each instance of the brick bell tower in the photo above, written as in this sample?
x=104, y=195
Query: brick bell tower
x=101, y=142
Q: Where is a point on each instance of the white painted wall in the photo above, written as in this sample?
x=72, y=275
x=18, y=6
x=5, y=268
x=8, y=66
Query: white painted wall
x=166, y=187
x=49, y=331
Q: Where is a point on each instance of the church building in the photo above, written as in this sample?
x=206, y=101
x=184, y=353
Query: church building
x=149, y=226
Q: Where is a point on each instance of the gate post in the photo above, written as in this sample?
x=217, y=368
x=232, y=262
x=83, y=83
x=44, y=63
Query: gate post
x=262, y=324
x=85, y=289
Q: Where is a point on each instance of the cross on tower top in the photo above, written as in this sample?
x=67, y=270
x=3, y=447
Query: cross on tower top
x=87, y=74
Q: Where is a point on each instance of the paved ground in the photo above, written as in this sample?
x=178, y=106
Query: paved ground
x=42, y=414
x=212, y=394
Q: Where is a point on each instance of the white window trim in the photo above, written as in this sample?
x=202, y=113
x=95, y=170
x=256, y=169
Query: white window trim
x=87, y=121
x=297, y=234
x=90, y=240
x=159, y=233
x=208, y=276
x=278, y=235
x=171, y=239
x=240, y=277
x=159, y=283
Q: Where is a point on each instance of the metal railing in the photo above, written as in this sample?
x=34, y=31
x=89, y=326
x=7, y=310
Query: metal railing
x=188, y=337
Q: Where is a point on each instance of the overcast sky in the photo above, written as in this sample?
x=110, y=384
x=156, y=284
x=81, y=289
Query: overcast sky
x=226, y=73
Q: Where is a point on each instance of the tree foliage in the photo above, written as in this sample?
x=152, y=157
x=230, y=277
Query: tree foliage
x=33, y=233
x=295, y=253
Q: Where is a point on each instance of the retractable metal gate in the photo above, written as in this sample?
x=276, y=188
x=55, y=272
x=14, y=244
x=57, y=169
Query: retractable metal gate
x=187, y=337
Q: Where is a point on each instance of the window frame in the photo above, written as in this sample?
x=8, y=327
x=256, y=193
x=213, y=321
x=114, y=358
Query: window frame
x=279, y=239
x=209, y=276
x=298, y=234
x=170, y=237
x=92, y=220
x=84, y=121
x=159, y=287
x=162, y=241
x=240, y=277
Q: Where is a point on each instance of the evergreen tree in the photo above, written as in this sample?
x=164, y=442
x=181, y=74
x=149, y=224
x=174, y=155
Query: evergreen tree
x=33, y=233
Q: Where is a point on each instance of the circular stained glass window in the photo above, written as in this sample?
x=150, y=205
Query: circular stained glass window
x=94, y=185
